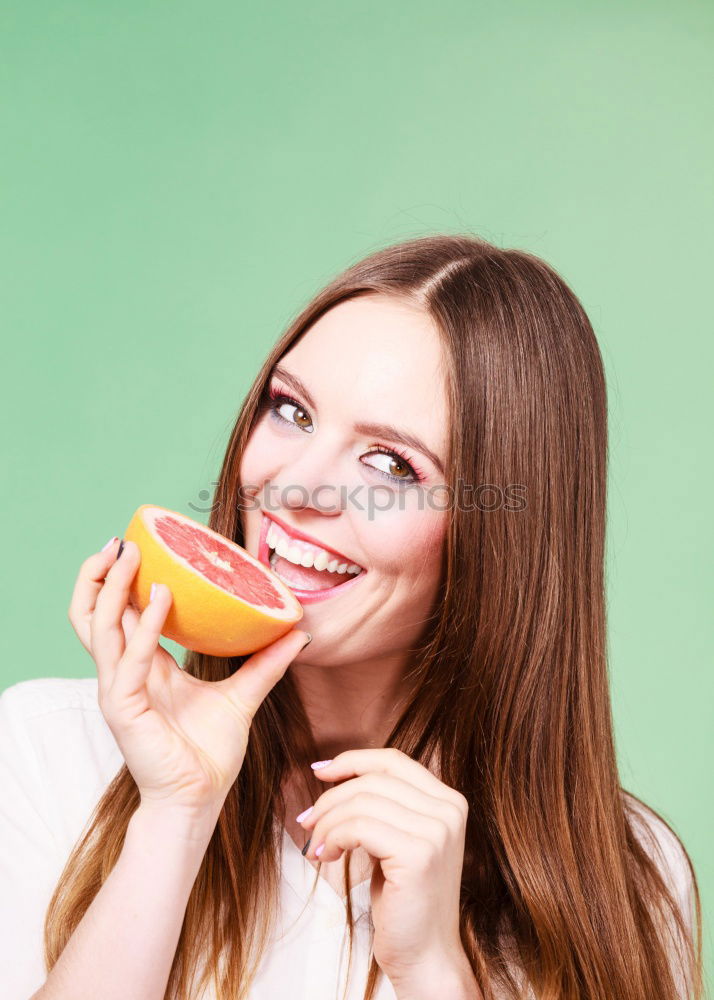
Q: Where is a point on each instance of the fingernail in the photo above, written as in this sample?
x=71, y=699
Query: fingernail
x=320, y=763
x=319, y=850
x=152, y=593
x=303, y=815
x=304, y=850
x=109, y=543
x=307, y=641
x=121, y=549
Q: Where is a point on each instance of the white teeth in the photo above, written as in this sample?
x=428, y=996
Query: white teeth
x=294, y=554
x=321, y=561
x=304, y=554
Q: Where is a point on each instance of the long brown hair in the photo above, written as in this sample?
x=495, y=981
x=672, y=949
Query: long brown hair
x=511, y=686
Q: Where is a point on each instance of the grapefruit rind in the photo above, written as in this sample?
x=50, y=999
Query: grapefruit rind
x=204, y=617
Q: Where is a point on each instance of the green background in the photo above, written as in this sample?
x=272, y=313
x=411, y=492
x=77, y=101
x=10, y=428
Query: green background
x=178, y=179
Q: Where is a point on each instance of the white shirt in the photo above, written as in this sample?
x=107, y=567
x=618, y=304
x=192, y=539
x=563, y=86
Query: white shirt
x=58, y=755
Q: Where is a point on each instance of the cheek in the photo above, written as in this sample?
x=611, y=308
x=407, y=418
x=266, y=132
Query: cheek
x=252, y=474
x=407, y=545
x=258, y=457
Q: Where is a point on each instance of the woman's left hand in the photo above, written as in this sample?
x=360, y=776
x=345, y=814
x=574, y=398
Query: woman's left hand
x=415, y=825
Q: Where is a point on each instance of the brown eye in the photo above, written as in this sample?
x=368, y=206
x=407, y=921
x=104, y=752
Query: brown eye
x=397, y=467
x=301, y=417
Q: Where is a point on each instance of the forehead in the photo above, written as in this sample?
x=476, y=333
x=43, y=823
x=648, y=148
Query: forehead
x=379, y=359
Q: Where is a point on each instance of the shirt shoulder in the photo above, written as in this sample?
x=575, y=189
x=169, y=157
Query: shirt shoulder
x=57, y=755
x=46, y=694
x=666, y=850
x=59, y=748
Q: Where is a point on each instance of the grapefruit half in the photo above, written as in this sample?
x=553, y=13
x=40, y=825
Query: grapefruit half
x=225, y=602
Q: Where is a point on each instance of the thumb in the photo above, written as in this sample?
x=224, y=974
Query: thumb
x=252, y=682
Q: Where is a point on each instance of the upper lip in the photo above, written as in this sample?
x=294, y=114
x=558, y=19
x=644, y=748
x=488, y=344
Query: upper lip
x=308, y=538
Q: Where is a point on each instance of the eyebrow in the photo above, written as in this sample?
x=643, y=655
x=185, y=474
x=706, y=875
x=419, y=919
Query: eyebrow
x=375, y=430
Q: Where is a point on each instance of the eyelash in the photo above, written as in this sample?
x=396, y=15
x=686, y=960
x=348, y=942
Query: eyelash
x=273, y=398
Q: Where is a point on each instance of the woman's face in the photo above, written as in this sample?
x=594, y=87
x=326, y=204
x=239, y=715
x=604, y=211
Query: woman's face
x=360, y=492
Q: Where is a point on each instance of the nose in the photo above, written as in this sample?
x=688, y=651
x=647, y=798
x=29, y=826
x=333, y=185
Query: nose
x=304, y=485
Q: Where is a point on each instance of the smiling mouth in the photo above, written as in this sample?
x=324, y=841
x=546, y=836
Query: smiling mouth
x=305, y=568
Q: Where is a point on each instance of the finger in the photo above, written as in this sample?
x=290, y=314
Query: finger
x=88, y=584
x=385, y=786
x=381, y=839
x=367, y=806
x=129, y=620
x=389, y=760
x=250, y=684
x=107, y=635
x=129, y=684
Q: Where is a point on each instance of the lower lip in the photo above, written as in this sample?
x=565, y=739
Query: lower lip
x=304, y=596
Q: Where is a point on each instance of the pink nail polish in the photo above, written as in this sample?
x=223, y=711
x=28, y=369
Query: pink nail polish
x=319, y=850
x=320, y=763
x=109, y=543
x=303, y=815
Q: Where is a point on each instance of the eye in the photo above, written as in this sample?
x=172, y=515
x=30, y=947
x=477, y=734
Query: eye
x=280, y=402
x=400, y=469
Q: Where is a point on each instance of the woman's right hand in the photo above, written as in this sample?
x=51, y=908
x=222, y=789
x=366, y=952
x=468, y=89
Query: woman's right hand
x=183, y=739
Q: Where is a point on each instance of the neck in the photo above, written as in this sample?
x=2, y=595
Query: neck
x=353, y=706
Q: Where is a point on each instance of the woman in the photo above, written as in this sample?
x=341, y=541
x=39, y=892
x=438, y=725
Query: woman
x=433, y=424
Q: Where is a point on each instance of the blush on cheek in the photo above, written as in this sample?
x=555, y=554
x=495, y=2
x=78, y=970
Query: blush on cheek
x=410, y=553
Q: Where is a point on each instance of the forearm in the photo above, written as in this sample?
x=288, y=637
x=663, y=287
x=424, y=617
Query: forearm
x=125, y=943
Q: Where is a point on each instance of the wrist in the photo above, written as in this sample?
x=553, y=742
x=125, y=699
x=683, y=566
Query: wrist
x=175, y=825
x=449, y=979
